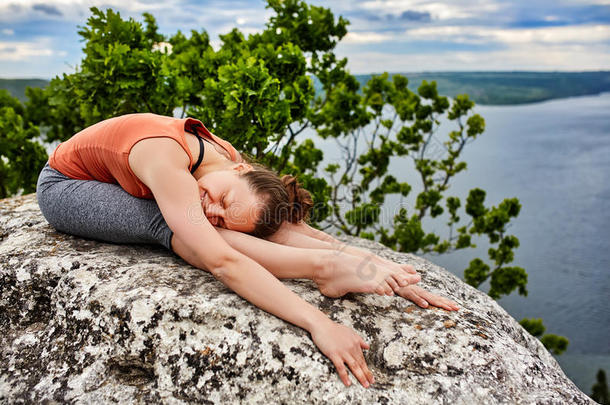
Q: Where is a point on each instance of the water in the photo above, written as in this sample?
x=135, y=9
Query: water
x=555, y=157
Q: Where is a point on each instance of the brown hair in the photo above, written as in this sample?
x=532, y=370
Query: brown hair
x=284, y=199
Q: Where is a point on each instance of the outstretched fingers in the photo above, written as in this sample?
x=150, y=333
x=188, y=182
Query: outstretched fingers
x=341, y=370
x=403, y=279
x=424, y=298
x=363, y=344
x=343, y=346
x=437, y=300
x=356, y=364
x=413, y=278
x=409, y=294
x=369, y=375
x=357, y=369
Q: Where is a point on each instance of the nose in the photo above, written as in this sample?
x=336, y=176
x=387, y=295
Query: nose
x=214, y=213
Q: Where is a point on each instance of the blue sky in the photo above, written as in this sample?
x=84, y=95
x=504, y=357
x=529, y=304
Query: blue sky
x=39, y=38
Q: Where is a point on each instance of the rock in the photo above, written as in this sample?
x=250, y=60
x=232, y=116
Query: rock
x=91, y=322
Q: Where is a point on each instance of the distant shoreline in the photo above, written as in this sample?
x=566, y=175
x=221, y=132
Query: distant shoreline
x=512, y=87
x=484, y=87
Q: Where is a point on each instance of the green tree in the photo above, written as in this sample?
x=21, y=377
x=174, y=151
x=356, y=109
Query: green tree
x=600, y=389
x=121, y=73
x=554, y=343
x=258, y=92
x=21, y=157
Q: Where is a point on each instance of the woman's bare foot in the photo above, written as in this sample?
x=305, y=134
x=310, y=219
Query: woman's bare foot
x=345, y=273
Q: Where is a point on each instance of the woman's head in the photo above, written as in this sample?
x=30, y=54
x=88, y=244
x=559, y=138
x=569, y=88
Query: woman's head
x=253, y=199
x=282, y=199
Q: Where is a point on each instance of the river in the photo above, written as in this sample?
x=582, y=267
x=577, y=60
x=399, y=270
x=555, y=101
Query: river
x=555, y=157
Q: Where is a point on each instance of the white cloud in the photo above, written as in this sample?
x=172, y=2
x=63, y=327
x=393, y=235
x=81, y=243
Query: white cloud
x=593, y=2
x=576, y=34
x=23, y=51
x=456, y=9
x=548, y=35
x=167, y=12
x=584, y=47
x=546, y=48
x=366, y=37
x=531, y=57
x=75, y=10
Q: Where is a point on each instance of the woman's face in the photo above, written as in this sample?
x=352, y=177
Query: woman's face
x=227, y=200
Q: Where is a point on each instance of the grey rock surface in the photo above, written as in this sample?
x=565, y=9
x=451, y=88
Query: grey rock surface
x=90, y=322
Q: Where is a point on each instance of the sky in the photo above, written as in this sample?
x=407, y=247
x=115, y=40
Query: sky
x=39, y=39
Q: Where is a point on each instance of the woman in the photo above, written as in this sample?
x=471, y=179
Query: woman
x=133, y=179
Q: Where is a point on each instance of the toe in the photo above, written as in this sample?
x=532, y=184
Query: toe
x=392, y=283
x=401, y=280
x=409, y=268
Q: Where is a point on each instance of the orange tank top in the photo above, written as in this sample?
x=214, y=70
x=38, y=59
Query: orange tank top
x=101, y=152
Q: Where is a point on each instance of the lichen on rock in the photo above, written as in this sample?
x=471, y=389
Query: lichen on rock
x=91, y=322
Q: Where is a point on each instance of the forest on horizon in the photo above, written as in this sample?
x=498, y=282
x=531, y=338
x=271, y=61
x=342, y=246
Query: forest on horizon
x=484, y=88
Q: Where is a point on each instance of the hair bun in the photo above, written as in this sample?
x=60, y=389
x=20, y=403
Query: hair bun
x=299, y=198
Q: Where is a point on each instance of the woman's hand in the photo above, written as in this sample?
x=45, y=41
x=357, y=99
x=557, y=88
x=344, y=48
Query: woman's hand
x=425, y=298
x=343, y=346
x=415, y=293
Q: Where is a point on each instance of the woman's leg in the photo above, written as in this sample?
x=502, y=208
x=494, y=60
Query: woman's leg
x=101, y=211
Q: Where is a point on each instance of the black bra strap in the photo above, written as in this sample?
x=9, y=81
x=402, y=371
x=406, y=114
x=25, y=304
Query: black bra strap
x=201, y=150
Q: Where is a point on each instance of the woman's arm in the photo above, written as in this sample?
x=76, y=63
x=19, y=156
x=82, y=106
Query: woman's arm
x=335, y=273
x=177, y=195
x=304, y=236
x=281, y=260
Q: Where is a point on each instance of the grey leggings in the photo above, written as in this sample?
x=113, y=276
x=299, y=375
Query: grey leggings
x=101, y=211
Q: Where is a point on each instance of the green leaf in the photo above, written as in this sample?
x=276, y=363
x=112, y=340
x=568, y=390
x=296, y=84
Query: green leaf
x=533, y=326
x=554, y=343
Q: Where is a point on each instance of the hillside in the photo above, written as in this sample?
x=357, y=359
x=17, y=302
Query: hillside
x=490, y=88
x=503, y=88
x=17, y=86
